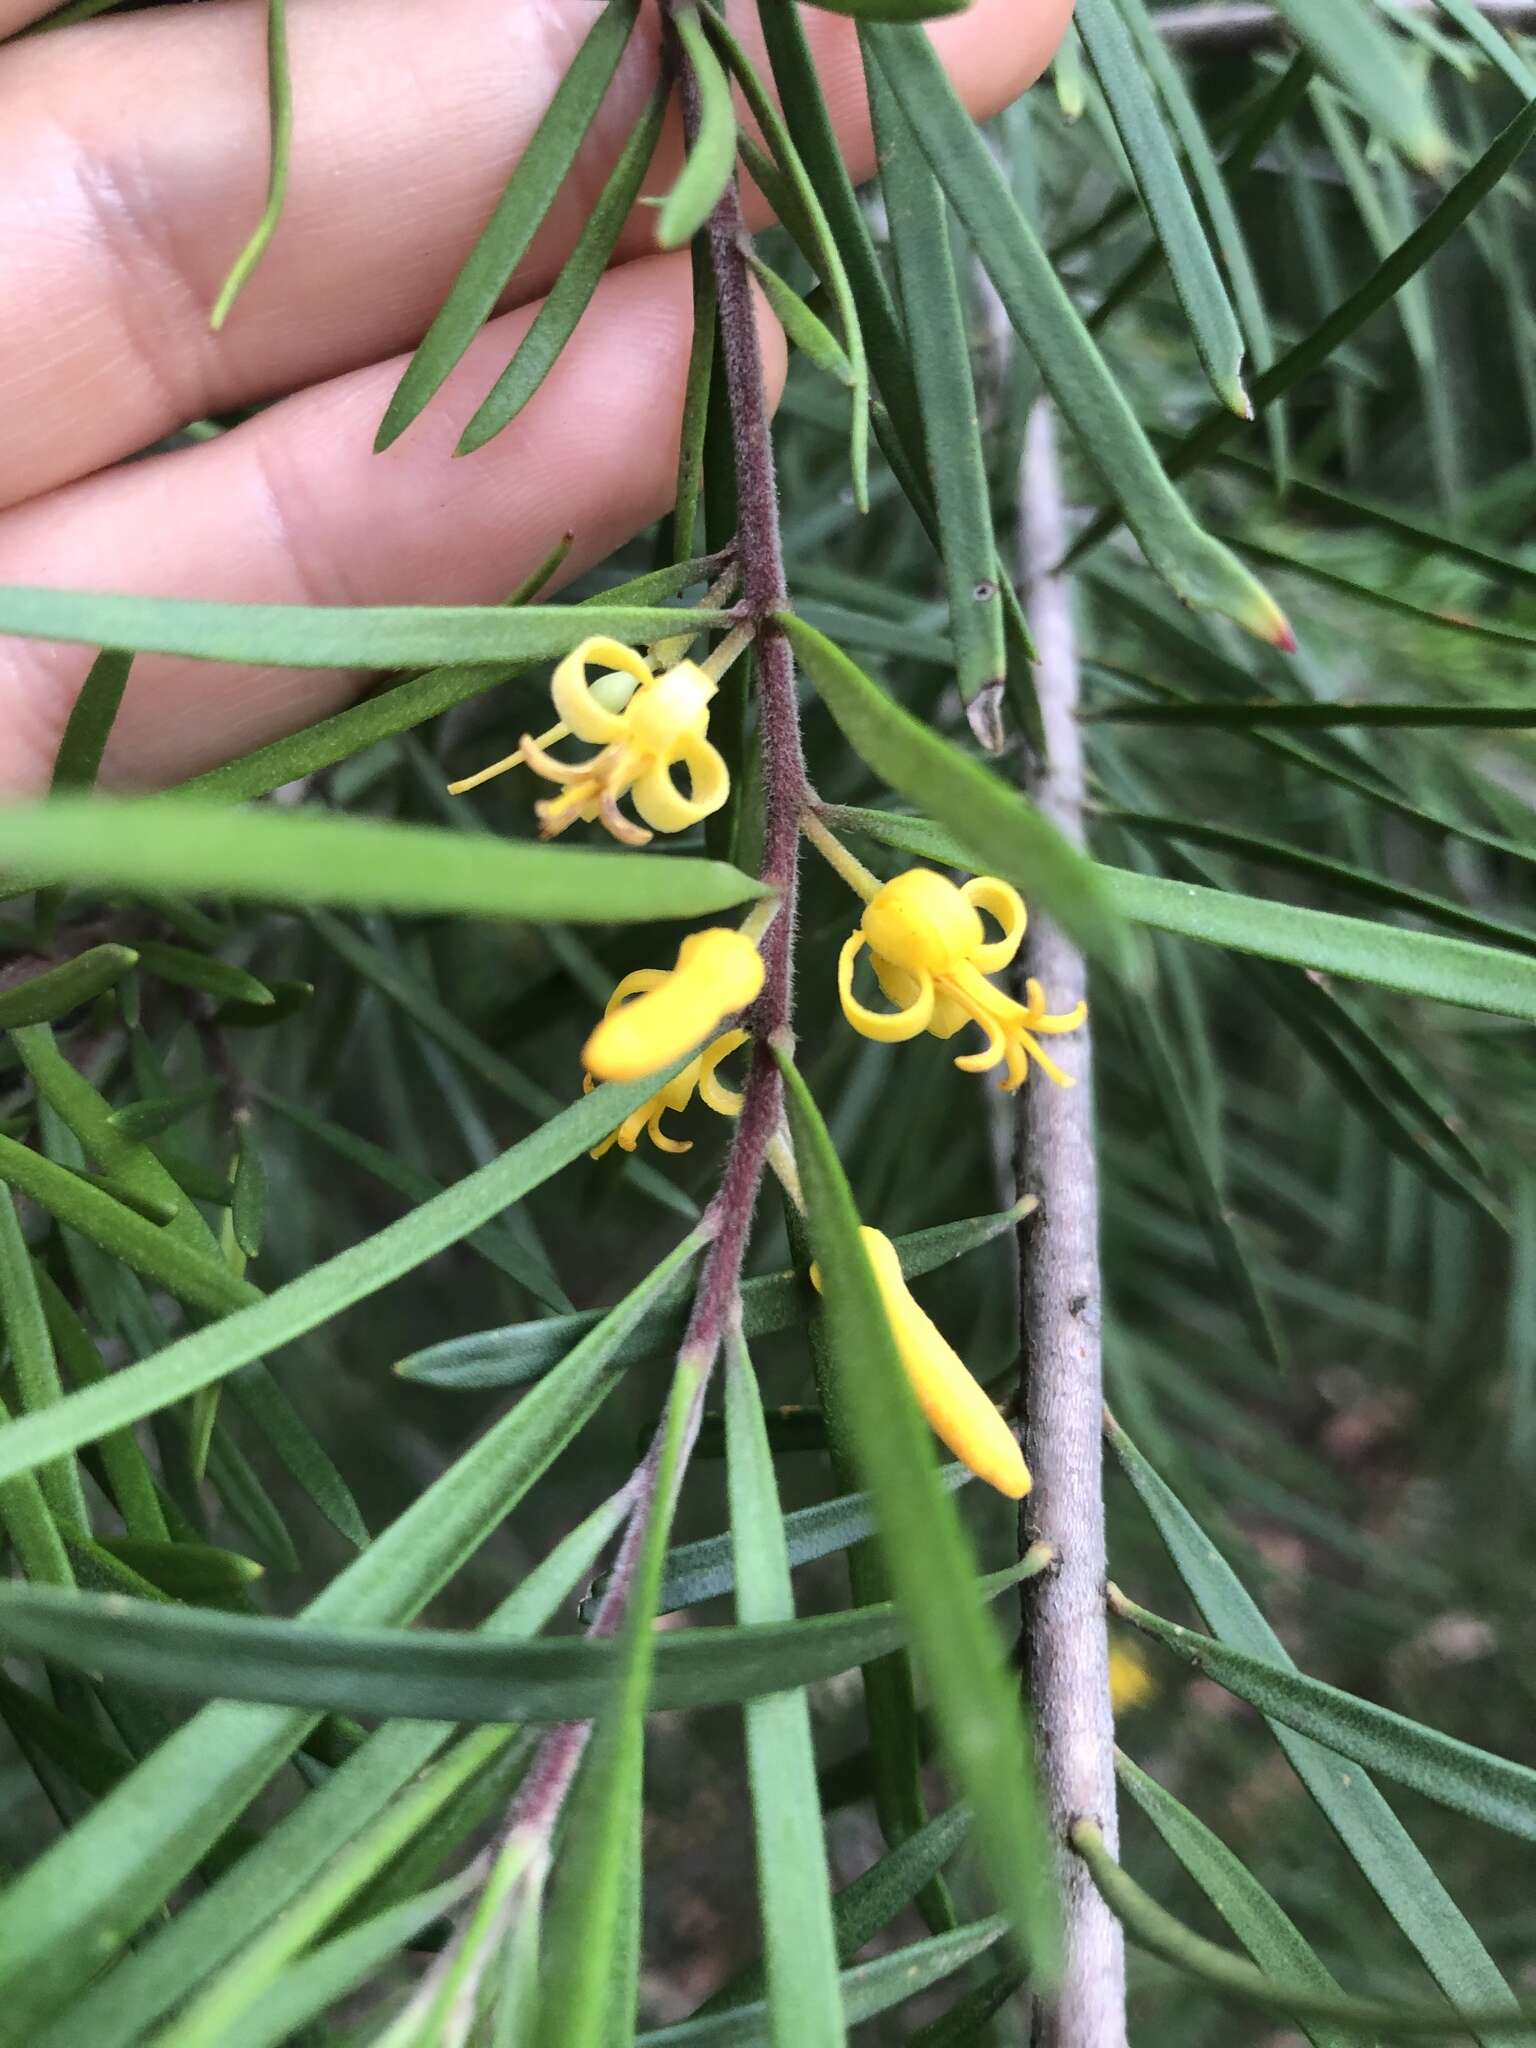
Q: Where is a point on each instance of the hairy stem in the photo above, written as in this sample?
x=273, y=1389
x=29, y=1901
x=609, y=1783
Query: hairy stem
x=1066, y=1647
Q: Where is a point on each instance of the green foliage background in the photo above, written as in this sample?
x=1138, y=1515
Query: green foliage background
x=1319, y=1190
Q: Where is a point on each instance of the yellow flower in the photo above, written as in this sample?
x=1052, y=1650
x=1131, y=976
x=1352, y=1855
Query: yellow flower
x=958, y=1409
x=653, y=1017
x=1131, y=1684
x=931, y=956
x=644, y=725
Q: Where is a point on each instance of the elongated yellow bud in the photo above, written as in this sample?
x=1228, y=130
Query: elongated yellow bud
x=718, y=972
x=956, y=1406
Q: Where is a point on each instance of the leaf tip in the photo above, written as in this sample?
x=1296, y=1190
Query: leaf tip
x=984, y=715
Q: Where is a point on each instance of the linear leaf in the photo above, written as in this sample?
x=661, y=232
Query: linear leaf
x=936, y=326
x=712, y=153
x=1157, y=1931
x=438, y=1674
x=519, y=1352
x=207, y=1356
x=90, y=722
x=587, y=1921
x=310, y=856
x=868, y=1989
x=580, y=274
x=1489, y=1788
x=1379, y=289
x=504, y=241
x=1121, y=69
x=1356, y=48
x=1414, y=963
x=299, y=1852
x=793, y=1878
x=1009, y=836
x=83, y=1899
x=810, y=335
x=34, y=1365
x=336, y=636
x=1264, y=1929
x=57, y=990
x=280, y=147
x=1380, y=1845
x=404, y=705
x=976, y=1706
x=1197, y=567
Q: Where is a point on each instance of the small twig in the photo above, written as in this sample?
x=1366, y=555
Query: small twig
x=1234, y=25
x=1065, y=1644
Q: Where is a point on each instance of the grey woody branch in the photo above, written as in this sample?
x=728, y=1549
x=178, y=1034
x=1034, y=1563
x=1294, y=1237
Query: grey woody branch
x=1066, y=1649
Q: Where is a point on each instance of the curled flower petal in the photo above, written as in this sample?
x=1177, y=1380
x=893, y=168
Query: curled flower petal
x=890, y=1026
x=580, y=710
x=1002, y=901
x=957, y=1407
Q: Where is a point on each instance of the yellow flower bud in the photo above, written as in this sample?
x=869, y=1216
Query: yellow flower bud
x=718, y=972
x=958, y=1409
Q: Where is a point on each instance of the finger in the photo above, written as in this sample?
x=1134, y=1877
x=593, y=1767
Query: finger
x=133, y=160
x=294, y=507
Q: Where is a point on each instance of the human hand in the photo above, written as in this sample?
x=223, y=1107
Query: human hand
x=133, y=162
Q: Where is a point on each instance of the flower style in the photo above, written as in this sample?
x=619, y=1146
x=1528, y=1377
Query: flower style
x=652, y=1018
x=644, y=725
x=932, y=957
x=958, y=1409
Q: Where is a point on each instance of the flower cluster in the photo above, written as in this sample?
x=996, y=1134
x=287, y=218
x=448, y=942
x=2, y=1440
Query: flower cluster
x=926, y=940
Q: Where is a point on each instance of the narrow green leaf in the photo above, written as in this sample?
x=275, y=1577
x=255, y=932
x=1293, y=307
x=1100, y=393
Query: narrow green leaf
x=248, y=1210
x=207, y=1356
x=404, y=705
x=34, y=1366
x=1379, y=289
x=699, y=1571
x=29, y=1523
x=586, y=1919
x=309, y=856
x=711, y=156
x=504, y=241
x=337, y=636
x=519, y=1352
x=862, y=1909
x=127, y=1470
x=683, y=532
x=1385, y=1853
x=1222, y=1230
x=1344, y=876
x=280, y=120
x=793, y=1878
x=814, y=340
x=1264, y=1928
x=1121, y=70
x=1309, y=716
x=156, y=1114
x=1006, y=834
x=940, y=345
x=580, y=274
x=57, y=990
x=1414, y=963
x=806, y=218
x=193, y=1278
x=1198, y=568
x=868, y=1990
x=975, y=1703
x=183, y=965
x=1157, y=1931
x=299, y=1449
x=495, y=1243
x=90, y=722
x=292, y=1875
x=1355, y=47
x=1489, y=1788
x=85, y=1897
x=436, y=1675
x=198, y=1572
